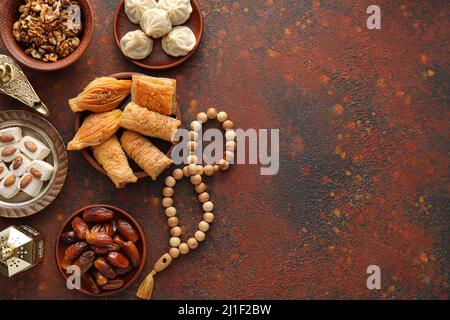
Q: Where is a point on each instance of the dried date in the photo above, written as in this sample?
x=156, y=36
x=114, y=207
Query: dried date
x=97, y=215
x=127, y=231
x=72, y=253
x=85, y=261
x=96, y=228
x=102, y=266
x=118, y=260
x=89, y=283
x=100, y=279
x=106, y=249
x=80, y=228
x=108, y=229
x=113, y=284
x=132, y=253
x=121, y=272
x=98, y=239
x=118, y=240
x=69, y=237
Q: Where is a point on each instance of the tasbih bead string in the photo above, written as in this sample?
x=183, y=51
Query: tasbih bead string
x=195, y=173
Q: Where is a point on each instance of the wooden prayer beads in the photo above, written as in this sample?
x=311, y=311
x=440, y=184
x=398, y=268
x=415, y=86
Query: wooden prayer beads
x=195, y=173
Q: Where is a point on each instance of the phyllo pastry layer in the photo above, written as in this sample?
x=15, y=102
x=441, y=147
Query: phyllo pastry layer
x=112, y=158
x=145, y=154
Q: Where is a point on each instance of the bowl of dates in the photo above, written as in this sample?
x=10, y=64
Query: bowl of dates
x=104, y=245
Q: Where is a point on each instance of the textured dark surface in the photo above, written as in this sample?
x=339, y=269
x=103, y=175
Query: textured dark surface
x=363, y=119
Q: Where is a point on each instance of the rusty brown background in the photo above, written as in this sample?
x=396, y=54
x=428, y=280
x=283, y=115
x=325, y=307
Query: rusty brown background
x=363, y=119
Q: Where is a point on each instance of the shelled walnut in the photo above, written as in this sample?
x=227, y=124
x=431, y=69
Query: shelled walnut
x=49, y=30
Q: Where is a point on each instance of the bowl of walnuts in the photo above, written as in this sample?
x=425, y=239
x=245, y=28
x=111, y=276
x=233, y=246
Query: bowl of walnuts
x=46, y=35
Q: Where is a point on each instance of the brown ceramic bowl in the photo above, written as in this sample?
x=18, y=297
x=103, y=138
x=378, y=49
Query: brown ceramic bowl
x=158, y=59
x=141, y=245
x=9, y=14
x=87, y=154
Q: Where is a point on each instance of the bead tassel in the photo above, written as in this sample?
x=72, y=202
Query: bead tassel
x=146, y=288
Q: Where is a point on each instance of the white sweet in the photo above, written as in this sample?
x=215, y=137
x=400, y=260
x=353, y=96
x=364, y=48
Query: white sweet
x=9, y=191
x=44, y=168
x=24, y=167
x=136, y=45
x=42, y=151
x=179, y=42
x=179, y=10
x=15, y=132
x=3, y=170
x=135, y=8
x=156, y=23
x=33, y=188
x=12, y=156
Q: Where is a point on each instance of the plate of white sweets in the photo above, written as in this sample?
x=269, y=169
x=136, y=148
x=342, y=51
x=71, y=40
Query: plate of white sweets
x=33, y=163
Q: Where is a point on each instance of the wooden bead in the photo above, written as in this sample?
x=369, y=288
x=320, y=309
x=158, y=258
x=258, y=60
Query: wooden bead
x=203, y=197
x=171, y=212
x=228, y=125
x=229, y=156
x=177, y=174
x=174, y=253
x=175, y=231
x=222, y=116
x=170, y=181
x=230, y=135
x=185, y=171
x=174, y=242
x=203, y=226
x=196, y=126
x=192, y=243
x=208, y=170
x=193, y=136
x=163, y=262
x=167, y=202
x=196, y=179
x=200, y=236
x=216, y=168
x=172, y=222
x=192, y=159
x=168, y=192
x=208, y=206
x=230, y=146
x=223, y=164
x=208, y=217
x=192, y=145
x=211, y=113
x=202, y=187
x=192, y=169
x=202, y=117
x=183, y=248
x=200, y=169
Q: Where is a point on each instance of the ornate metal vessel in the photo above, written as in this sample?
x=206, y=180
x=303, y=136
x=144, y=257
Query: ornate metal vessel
x=14, y=83
x=21, y=248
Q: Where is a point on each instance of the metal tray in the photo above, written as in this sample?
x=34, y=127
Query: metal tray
x=34, y=125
